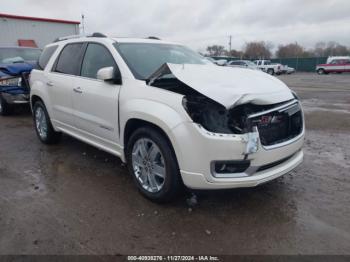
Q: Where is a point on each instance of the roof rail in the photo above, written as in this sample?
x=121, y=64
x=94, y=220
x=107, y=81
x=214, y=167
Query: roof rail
x=153, y=37
x=78, y=36
x=97, y=34
x=67, y=38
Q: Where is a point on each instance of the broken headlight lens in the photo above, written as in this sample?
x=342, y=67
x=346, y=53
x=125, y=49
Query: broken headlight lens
x=209, y=114
x=15, y=81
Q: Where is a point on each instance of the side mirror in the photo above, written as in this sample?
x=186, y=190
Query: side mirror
x=109, y=74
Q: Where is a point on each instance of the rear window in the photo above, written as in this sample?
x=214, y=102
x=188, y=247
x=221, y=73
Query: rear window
x=46, y=55
x=69, y=60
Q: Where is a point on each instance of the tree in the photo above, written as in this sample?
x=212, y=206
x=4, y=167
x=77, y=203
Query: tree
x=330, y=49
x=257, y=50
x=319, y=49
x=216, y=50
x=290, y=50
x=336, y=49
x=235, y=53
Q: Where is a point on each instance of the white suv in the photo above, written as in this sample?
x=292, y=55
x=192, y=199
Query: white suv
x=171, y=116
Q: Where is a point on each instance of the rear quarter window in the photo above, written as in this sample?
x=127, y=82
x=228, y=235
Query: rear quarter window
x=70, y=59
x=46, y=55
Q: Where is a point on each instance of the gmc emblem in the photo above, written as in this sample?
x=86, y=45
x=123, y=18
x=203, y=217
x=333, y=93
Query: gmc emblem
x=265, y=120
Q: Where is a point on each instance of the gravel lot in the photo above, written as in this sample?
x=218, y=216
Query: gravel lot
x=74, y=199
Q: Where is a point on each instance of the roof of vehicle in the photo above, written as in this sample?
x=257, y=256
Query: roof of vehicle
x=101, y=38
x=240, y=61
x=140, y=40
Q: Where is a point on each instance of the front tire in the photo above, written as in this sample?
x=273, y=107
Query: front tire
x=321, y=71
x=271, y=71
x=153, y=165
x=5, y=108
x=43, y=126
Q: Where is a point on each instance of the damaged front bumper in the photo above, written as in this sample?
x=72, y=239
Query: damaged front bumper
x=16, y=98
x=14, y=83
x=201, y=153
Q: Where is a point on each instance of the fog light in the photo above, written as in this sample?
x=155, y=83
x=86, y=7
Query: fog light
x=230, y=167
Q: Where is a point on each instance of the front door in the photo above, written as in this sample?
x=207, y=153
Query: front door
x=96, y=101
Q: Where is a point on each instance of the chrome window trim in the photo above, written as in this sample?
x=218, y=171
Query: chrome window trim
x=279, y=108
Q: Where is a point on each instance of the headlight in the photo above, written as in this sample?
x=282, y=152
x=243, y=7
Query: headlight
x=210, y=115
x=295, y=95
x=15, y=81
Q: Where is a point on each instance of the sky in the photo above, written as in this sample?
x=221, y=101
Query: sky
x=199, y=23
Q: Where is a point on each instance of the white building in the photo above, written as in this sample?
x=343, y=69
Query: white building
x=33, y=31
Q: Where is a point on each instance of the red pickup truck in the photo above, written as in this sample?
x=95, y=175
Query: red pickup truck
x=335, y=66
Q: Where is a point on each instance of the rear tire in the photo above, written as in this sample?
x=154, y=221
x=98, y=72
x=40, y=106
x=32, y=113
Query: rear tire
x=5, y=108
x=148, y=154
x=270, y=71
x=43, y=126
x=321, y=71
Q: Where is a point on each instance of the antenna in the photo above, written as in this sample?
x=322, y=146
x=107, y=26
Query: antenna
x=83, y=23
x=230, y=43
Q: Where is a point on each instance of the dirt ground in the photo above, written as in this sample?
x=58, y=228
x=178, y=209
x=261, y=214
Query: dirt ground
x=74, y=199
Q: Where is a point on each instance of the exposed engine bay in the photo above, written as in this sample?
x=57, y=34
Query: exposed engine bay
x=276, y=122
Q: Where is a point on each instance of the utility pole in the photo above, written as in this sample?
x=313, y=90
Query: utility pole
x=83, y=23
x=230, y=44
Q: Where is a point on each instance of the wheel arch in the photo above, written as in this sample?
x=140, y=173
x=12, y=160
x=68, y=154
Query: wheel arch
x=135, y=123
x=34, y=99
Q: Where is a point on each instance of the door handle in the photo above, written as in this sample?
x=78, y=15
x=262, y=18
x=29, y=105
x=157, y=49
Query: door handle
x=49, y=83
x=77, y=90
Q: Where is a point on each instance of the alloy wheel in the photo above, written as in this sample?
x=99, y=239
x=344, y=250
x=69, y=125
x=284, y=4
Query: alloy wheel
x=148, y=165
x=41, y=123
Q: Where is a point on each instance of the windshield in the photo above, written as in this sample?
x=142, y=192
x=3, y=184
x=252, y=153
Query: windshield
x=144, y=59
x=249, y=63
x=16, y=55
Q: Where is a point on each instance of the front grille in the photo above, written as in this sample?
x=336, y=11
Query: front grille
x=280, y=125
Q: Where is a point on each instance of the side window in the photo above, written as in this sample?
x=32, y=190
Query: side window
x=70, y=59
x=46, y=55
x=96, y=57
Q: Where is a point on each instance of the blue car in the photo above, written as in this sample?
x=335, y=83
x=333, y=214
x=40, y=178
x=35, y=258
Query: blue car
x=16, y=64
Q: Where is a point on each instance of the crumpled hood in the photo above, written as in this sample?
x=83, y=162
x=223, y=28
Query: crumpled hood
x=16, y=68
x=232, y=86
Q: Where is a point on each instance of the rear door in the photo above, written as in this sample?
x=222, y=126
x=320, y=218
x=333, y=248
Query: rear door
x=96, y=101
x=347, y=66
x=60, y=83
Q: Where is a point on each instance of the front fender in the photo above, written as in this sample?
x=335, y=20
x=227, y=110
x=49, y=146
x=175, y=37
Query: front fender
x=154, y=112
x=38, y=89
